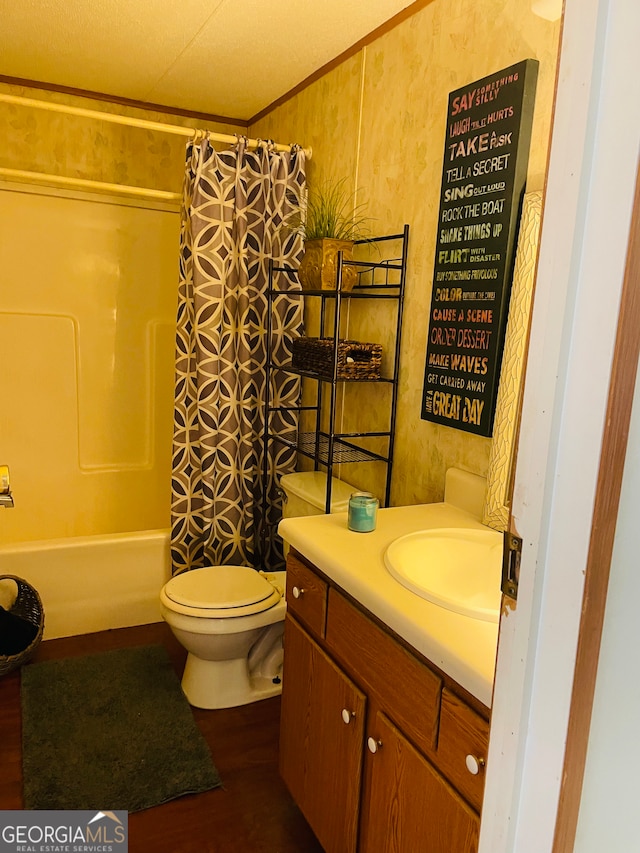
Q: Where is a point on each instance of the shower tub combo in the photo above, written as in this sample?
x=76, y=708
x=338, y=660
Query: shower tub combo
x=93, y=583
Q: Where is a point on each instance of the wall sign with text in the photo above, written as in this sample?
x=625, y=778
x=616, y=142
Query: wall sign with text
x=483, y=179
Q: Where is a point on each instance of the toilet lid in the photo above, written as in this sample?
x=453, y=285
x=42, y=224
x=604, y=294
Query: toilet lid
x=235, y=590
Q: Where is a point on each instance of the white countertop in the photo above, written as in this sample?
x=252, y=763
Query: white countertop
x=462, y=647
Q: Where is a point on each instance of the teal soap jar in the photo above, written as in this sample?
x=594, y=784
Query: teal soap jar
x=363, y=509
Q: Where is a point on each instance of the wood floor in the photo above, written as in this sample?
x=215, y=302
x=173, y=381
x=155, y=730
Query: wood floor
x=251, y=813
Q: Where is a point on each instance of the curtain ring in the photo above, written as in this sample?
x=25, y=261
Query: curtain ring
x=241, y=140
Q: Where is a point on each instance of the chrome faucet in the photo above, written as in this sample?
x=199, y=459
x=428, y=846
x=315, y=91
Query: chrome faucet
x=6, y=498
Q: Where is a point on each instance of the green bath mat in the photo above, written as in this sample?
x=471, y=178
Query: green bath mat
x=110, y=731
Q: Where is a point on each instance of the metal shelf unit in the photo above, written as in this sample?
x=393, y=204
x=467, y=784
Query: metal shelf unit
x=380, y=279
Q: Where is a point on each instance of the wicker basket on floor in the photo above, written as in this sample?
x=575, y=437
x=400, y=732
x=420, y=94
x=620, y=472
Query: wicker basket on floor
x=27, y=606
x=356, y=360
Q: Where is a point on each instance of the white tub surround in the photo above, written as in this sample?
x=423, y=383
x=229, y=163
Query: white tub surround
x=462, y=647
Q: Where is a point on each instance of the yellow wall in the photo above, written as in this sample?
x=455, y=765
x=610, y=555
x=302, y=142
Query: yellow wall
x=379, y=120
x=88, y=290
x=54, y=143
x=87, y=286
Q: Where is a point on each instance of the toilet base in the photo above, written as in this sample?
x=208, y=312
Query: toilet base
x=211, y=684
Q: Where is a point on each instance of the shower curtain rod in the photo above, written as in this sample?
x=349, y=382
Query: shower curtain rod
x=83, y=184
x=132, y=122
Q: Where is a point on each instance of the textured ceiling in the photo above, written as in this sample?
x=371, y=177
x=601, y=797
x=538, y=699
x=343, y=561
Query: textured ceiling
x=225, y=57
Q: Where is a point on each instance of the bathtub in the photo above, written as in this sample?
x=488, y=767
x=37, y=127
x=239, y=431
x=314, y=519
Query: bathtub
x=92, y=583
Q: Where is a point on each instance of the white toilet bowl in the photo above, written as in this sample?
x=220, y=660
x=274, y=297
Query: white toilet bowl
x=230, y=619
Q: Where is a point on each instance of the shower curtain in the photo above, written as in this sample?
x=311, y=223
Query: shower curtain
x=234, y=205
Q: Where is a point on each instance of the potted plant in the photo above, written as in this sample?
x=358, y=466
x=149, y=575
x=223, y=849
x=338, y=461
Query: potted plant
x=329, y=222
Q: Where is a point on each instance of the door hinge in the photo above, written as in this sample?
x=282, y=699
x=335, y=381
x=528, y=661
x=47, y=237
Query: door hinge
x=511, y=552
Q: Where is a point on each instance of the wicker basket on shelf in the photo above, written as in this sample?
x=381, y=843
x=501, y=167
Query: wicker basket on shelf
x=356, y=360
x=27, y=607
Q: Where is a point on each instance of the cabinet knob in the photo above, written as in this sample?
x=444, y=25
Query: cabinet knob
x=347, y=716
x=297, y=592
x=373, y=744
x=474, y=764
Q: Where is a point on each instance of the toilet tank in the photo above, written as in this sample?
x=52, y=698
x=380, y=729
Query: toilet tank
x=305, y=493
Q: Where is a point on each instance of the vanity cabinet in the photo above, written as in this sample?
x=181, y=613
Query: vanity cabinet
x=375, y=743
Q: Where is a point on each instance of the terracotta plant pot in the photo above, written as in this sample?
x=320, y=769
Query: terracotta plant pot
x=319, y=264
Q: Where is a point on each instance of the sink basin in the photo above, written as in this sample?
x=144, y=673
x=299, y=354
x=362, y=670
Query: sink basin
x=456, y=568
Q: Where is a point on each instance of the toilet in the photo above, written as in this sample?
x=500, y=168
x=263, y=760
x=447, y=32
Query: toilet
x=230, y=619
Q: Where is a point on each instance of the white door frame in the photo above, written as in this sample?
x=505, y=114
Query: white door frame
x=585, y=229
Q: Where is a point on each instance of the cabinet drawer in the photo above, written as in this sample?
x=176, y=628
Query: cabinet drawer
x=306, y=596
x=462, y=733
x=407, y=690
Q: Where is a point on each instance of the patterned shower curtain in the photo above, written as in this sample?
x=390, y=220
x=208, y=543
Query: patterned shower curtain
x=234, y=204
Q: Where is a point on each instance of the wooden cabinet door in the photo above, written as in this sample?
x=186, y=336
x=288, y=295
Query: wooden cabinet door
x=320, y=749
x=411, y=808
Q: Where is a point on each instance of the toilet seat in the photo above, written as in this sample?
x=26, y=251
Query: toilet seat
x=220, y=592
